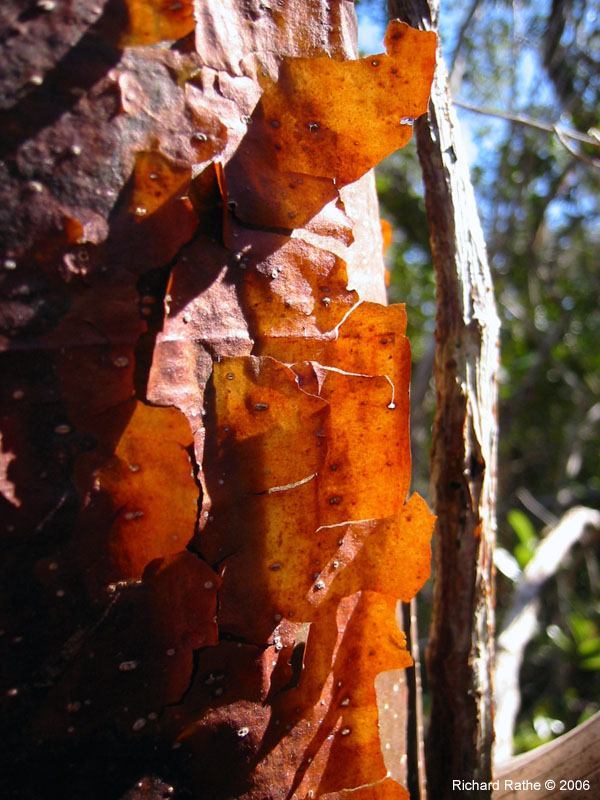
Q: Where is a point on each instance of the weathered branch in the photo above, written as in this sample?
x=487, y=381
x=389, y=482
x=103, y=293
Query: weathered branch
x=460, y=653
x=522, y=619
x=574, y=757
x=589, y=162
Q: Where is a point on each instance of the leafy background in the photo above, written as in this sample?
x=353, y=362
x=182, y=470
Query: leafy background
x=538, y=196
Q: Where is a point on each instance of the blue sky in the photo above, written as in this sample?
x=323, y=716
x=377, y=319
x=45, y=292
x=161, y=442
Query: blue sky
x=370, y=31
x=482, y=135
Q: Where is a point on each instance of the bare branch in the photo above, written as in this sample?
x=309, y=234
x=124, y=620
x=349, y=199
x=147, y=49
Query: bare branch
x=577, y=752
x=535, y=507
x=548, y=127
x=562, y=138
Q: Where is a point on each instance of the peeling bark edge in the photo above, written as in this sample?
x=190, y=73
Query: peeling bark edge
x=460, y=655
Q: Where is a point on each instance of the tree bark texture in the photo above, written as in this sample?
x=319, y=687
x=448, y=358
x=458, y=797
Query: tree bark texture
x=460, y=654
x=575, y=754
x=201, y=544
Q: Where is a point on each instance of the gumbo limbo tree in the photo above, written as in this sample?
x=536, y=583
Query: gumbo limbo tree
x=205, y=454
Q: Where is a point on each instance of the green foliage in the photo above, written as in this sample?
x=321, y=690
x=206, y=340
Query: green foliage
x=528, y=540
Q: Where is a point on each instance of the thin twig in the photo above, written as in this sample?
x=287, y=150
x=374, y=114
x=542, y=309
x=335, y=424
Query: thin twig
x=591, y=162
x=536, y=508
x=461, y=36
x=531, y=122
x=415, y=652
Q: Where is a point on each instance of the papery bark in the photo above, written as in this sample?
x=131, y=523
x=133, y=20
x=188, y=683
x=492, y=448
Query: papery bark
x=205, y=451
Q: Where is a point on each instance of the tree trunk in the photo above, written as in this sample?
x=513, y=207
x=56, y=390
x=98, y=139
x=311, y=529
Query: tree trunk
x=460, y=655
x=205, y=451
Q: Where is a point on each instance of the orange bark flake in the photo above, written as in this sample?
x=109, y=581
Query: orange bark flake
x=337, y=119
x=293, y=288
x=387, y=233
x=324, y=123
x=152, y=489
x=155, y=181
x=306, y=463
x=153, y=21
x=306, y=454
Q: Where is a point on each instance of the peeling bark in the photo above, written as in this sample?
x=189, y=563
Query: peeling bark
x=460, y=655
x=205, y=451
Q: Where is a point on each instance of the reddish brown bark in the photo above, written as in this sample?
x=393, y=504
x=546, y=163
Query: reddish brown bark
x=205, y=445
